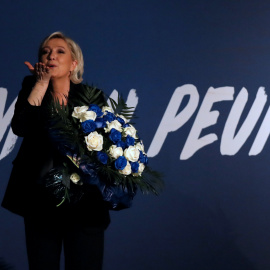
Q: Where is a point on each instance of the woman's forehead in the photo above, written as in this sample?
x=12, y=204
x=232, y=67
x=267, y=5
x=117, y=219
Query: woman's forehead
x=56, y=42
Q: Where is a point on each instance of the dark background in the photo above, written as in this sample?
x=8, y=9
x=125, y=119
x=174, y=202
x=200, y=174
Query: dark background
x=214, y=212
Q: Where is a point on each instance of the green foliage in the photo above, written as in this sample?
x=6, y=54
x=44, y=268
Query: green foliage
x=120, y=107
x=66, y=133
x=89, y=93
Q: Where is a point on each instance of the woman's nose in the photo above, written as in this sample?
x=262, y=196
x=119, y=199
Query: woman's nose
x=51, y=56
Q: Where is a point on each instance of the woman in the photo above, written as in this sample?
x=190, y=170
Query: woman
x=79, y=227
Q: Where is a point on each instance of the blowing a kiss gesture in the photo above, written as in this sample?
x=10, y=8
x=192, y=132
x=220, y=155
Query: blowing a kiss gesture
x=43, y=76
x=55, y=66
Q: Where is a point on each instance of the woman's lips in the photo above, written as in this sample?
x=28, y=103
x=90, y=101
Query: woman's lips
x=52, y=66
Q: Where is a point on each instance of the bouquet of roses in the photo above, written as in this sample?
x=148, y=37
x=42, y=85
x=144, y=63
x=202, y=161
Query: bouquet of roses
x=112, y=139
x=106, y=150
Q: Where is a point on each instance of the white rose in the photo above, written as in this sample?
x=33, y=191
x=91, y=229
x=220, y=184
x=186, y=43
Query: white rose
x=140, y=170
x=75, y=178
x=94, y=141
x=132, y=153
x=115, y=151
x=106, y=108
x=126, y=170
x=88, y=115
x=131, y=131
x=114, y=124
x=79, y=110
x=140, y=146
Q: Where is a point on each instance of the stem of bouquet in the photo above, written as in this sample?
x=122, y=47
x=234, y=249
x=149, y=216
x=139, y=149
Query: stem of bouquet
x=75, y=162
x=65, y=196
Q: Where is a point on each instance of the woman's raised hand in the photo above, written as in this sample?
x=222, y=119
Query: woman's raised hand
x=41, y=72
x=43, y=76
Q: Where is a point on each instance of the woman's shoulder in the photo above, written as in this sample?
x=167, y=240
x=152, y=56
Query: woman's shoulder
x=27, y=85
x=28, y=81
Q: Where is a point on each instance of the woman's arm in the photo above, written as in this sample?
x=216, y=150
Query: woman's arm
x=43, y=77
x=27, y=108
x=25, y=115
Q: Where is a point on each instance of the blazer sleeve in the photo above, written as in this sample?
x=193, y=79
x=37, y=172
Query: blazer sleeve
x=25, y=115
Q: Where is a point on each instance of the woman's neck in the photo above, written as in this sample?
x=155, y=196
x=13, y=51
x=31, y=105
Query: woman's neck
x=60, y=89
x=61, y=85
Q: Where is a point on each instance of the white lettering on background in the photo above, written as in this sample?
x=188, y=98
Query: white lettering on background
x=262, y=136
x=231, y=143
x=205, y=118
x=170, y=121
x=231, y=140
x=4, y=124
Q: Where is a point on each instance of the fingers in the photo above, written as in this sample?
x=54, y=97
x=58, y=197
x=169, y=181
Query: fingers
x=41, y=71
x=41, y=68
x=38, y=69
x=30, y=67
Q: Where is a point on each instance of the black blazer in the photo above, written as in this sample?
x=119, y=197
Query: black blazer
x=36, y=156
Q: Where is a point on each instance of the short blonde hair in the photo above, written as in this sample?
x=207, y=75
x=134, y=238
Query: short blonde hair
x=76, y=53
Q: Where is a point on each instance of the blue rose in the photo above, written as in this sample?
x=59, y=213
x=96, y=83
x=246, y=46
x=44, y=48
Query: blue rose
x=121, y=144
x=100, y=122
x=102, y=157
x=115, y=135
x=89, y=172
x=120, y=120
x=143, y=158
x=88, y=126
x=134, y=166
x=120, y=163
x=130, y=141
x=95, y=108
x=109, y=117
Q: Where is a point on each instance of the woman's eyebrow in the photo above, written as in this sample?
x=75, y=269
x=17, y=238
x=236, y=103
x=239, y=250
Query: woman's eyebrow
x=50, y=47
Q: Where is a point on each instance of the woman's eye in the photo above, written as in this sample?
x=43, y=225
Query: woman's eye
x=44, y=51
x=61, y=51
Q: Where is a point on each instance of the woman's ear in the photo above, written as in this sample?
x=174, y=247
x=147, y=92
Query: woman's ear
x=73, y=65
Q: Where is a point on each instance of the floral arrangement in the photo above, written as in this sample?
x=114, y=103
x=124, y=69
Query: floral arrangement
x=114, y=141
x=104, y=146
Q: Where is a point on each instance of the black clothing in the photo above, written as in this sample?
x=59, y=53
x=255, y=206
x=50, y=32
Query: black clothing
x=83, y=245
x=35, y=158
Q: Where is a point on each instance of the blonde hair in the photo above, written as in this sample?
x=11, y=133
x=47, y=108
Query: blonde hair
x=76, y=54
